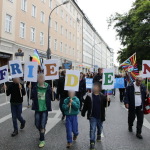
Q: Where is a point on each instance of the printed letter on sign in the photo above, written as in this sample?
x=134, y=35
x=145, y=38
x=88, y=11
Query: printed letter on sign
x=51, y=69
x=72, y=80
x=3, y=74
x=146, y=69
x=15, y=68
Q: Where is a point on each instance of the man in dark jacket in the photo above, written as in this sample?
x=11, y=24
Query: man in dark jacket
x=134, y=102
x=95, y=104
x=61, y=94
x=82, y=89
x=16, y=91
x=99, y=76
x=41, y=96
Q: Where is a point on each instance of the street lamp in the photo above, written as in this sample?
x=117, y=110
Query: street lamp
x=49, y=19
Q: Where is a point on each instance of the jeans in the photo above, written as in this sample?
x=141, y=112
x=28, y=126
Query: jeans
x=71, y=127
x=95, y=123
x=140, y=116
x=40, y=123
x=122, y=94
x=16, y=111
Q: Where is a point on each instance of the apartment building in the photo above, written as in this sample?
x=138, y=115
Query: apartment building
x=24, y=27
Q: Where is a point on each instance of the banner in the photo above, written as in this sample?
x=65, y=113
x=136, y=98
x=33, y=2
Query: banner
x=119, y=83
x=67, y=65
x=4, y=74
x=15, y=68
x=51, y=69
x=30, y=71
x=89, y=83
x=146, y=69
x=91, y=69
x=108, y=79
x=72, y=80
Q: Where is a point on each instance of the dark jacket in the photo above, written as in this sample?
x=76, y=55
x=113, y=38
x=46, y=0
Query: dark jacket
x=97, y=78
x=14, y=92
x=88, y=105
x=82, y=89
x=61, y=93
x=34, y=97
x=130, y=96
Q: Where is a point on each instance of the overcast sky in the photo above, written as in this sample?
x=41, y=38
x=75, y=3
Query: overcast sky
x=98, y=11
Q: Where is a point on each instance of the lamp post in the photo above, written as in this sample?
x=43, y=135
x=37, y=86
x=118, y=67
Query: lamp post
x=49, y=19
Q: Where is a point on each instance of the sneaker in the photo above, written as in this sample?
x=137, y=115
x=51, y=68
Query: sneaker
x=130, y=129
x=14, y=133
x=22, y=125
x=139, y=136
x=69, y=145
x=41, y=144
x=75, y=138
x=98, y=138
x=63, y=117
x=92, y=146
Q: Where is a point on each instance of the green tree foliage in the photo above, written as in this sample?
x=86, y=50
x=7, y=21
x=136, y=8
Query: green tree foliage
x=133, y=30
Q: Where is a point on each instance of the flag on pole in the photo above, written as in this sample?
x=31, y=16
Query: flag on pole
x=130, y=67
x=36, y=57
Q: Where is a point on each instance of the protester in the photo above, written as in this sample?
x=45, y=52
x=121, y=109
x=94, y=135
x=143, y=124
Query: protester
x=61, y=93
x=94, y=105
x=82, y=89
x=41, y=96
x=16, y=91
x=99, y=76
x=135, y=102
x=71, y=108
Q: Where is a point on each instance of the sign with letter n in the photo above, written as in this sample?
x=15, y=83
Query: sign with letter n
x=108, y=79
x=146, y=69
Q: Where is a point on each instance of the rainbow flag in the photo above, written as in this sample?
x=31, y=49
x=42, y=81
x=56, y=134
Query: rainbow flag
x=36, y=57
x=130, y=67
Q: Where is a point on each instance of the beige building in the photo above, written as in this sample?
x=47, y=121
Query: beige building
x=24, y=27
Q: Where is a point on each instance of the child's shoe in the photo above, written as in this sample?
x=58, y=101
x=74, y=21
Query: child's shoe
x=42, y=144
x=92, y=146
x=69, y=145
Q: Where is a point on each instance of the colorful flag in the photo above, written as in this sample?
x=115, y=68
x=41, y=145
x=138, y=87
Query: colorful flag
x=36, y=57
x=130, y=67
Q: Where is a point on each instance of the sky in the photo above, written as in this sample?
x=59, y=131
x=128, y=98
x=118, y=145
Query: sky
x=98, y=11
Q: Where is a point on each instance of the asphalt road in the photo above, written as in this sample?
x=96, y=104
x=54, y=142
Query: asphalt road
x=115, y=134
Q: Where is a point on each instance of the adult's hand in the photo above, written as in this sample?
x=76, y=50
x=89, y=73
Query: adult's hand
x=127, y=106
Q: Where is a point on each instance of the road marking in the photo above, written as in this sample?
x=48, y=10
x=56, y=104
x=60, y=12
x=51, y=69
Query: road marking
x=53, y=121
x=4, y=104
x=9, y=116
x=145, y=123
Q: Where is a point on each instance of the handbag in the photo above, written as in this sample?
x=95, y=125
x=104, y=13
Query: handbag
x=147, y=106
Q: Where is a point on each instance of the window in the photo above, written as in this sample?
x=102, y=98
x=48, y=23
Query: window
x=61, y=30
x=42, y=16
x=50, y=3
x=61, y=46
x=11, y=1
x=70, y=21
x=62, y=14
x=33, y=34
x=66, y=18
x=33, y=10
x=73, y=52
x=65, y=50
x=8, y=23
x=24, y=5
x=22, y=30
x=56, y=26
x=66, y=32
x=70, y=35
x=41, y=38
x=55, y=44
x=56, y=9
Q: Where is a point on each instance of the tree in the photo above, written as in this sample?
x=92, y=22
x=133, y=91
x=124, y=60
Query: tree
x=133, y=30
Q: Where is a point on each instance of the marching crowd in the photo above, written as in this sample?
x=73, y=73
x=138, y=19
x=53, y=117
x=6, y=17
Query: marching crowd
x=91, y=102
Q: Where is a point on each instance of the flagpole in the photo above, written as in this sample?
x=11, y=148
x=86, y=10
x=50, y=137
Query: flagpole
x=127, y=59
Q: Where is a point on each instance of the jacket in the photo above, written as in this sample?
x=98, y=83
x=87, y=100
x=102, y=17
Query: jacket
x=130, y=96
x=82, y=89
x=74, y=107
x=14, y=92
x=97, y=78
x=48, y=96
x=88, y=106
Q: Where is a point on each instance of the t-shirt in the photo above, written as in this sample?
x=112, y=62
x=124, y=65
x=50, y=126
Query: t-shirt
x=42, y=97
x=138, y=100
x=96, y=111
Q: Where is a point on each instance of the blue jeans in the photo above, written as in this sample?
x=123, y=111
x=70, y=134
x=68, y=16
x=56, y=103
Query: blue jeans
x=40, y=122
x=95, y=123
x=16, y=111
x=71, y=127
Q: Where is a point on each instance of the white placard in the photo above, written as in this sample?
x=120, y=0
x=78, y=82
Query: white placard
x=51, y=69
x=72, y=80
x=4, y=74
x=146, y=68
x=15, y=69
x=30, y=71
x=108, y=79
